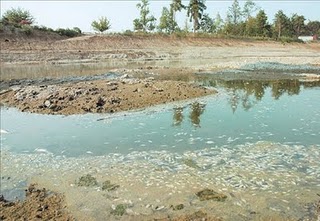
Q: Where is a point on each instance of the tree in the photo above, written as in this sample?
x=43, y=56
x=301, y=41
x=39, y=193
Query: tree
x=207, y=24
x=218, y=22
x=17, y=17
x=103, y=24
x=145, y=22
x=313, y=27
x=251, y=27
x=175, y=6
x=249, y=8
x=234, y=14
x=167, y=22
x=297, y=22
x=195, y=11
x=263, y=28
x=281, y=24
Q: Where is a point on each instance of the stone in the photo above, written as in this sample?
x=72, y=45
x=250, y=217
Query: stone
x=87, y=181
x=107, y=185
x=120, y=210
x=177, y=207
x=209, y=194
x=47, y=103
x=191, y=163
x=100, y=102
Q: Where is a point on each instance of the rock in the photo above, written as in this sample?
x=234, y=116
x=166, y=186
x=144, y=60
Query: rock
x=208, y=194
x=137, y=90
x=47, y=103
x=87, y=181
x=120, y=210
x=100, y=102
x=115, y=100
x=191, y=163
x=107, y=185
x=177, y=207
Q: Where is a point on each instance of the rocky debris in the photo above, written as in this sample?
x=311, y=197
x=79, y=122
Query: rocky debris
x=209, y=194
x=40, y=204
x=87, y=181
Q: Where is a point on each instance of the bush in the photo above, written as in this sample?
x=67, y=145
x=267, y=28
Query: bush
x=68, y=32
x=26, y=29
x=17, y=16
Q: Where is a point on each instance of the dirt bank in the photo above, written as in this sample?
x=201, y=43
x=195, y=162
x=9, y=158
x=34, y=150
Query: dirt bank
x=99, y=96
x=192, y=52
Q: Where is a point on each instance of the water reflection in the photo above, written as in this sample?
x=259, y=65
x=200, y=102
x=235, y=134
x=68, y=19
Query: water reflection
x=246, y=93
x=177, y=116
x=196, y=110
x=243, y=94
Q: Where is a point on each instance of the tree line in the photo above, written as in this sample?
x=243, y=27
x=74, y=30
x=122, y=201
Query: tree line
x=247, y=21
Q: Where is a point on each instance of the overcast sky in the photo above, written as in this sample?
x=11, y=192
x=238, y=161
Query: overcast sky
x=69, y=14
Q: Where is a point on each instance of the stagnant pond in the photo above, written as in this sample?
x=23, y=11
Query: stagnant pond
x=255, y=141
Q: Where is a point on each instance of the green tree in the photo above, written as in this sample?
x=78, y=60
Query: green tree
x=234, y=14
x=103, y=24
x=176, y=6
x=17, y=16
x=146, y=22
x=281, y=25
x=167, y=22
x=251, y=27
x=263, y=28
x=249, y=8
x=218, y=22
x=313, y=27
x=195, y=12
x=297, y=24
x=207, y=24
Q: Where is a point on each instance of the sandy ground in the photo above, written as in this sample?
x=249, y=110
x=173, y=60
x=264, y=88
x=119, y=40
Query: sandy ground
x=165, y=56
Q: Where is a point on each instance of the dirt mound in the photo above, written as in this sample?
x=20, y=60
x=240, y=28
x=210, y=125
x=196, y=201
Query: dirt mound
x=40, y=204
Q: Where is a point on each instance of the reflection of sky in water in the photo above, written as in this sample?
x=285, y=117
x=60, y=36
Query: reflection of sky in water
x=232, y=117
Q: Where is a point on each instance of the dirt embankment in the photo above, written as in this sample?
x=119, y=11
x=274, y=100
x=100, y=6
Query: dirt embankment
x=150, y=48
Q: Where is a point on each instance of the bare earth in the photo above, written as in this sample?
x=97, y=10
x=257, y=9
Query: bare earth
x=164, y=56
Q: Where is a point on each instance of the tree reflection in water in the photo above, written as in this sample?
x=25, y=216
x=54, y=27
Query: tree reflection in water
x=249, y=92
x=245, y=94
x=196, y=110
x=177, y=116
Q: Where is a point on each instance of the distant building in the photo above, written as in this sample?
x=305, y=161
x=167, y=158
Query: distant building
x=308, y=38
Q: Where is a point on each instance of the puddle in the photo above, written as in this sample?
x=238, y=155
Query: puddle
x=257, y=142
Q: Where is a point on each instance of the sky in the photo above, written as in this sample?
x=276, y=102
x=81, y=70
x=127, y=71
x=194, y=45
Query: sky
x=69, y=14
